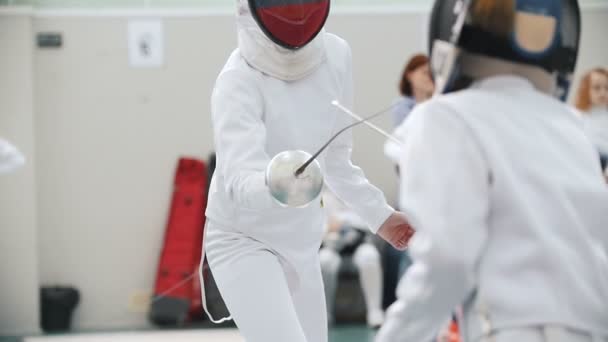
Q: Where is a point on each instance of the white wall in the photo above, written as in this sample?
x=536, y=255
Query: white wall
x=108, y=136
x=18, y=234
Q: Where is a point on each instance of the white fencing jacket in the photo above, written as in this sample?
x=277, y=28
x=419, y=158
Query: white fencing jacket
x=511, y=213
x=256, y=116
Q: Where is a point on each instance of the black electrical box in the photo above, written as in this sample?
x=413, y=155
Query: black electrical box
x=49, y=40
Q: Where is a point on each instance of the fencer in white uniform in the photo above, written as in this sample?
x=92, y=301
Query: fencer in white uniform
x=10, y=157
x=502, y=185
x=274, y=94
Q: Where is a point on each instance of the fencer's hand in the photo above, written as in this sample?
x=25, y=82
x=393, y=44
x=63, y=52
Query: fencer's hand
x=396, y=231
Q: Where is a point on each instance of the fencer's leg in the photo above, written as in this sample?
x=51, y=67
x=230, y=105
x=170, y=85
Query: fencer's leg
x=330, y=268
x=256, y=293
x=367, y=259
x=310, y=301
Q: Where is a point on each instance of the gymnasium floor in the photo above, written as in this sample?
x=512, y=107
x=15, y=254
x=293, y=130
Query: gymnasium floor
x=337, y=334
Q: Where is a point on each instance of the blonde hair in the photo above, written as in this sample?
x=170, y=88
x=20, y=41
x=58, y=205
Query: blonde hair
x=583, y=98
x=495, y=16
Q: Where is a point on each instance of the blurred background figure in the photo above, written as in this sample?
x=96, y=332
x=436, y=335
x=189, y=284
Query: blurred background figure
x=592, y=102
x=10, y=157
x=416, y=86
x=347, y=237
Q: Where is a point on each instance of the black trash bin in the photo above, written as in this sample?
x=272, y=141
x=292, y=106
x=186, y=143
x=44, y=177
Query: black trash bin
x=57, y=304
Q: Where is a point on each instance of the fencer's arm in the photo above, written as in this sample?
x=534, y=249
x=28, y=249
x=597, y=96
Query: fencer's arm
x=346, y=180
x=349, y=183
x=10, y=157
x=240, y=139
x=444, y=193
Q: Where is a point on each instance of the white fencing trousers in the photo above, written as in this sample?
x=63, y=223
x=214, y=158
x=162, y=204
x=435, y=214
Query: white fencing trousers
x=267, y=300
x=542, y=334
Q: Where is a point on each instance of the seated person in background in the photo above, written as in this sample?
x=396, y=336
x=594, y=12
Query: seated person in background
x=10, y=157
x=592, y=102
x=347, y=236
x=416, y=86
